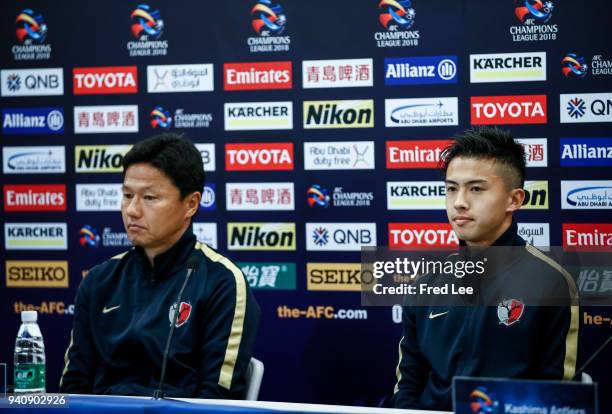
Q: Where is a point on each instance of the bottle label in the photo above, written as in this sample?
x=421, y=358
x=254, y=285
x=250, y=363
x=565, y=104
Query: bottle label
x=29, y=376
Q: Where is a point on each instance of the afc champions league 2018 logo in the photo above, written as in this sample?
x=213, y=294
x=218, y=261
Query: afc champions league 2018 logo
x=31, y=27
x=573, y=65
x=483, y=402
x=268, y=18
x=160, y=118
x=88, y=236
x=146, y=23
x=396, y=14
x=533, y=11
x=318, y=196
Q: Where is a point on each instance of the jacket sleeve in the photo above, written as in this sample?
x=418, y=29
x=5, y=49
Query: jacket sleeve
x=558, y=329
x=81, y=355
x=230, y=329
x=412, y=368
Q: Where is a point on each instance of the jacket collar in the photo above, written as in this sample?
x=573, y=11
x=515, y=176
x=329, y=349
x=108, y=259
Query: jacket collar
x=169, y=262
x=508, y=238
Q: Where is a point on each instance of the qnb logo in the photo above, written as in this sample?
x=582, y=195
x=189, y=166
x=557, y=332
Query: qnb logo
x=31, y=27
x=396, y=14
x=146, y=23
x=320, y=236
x=13, y=82
x=32, y=82
x=532, y=11
x=160, y=118
x=573, y=65
x=585, y=107
x=318, y=196
x=576, y=108
x=89, y=237
x=268, y=18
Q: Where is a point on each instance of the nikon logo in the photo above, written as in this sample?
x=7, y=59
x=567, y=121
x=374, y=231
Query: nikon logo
x=337, y=276
x=99, y=158
x=536, y=195
x=339, y=114
x=261, y=236
x=53, y=274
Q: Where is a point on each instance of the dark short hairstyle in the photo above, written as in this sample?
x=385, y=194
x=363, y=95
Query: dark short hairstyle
x=491, y=144
x=173, y=155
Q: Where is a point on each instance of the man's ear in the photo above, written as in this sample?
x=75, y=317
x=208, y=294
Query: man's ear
x=516, y=199
x=193, y=203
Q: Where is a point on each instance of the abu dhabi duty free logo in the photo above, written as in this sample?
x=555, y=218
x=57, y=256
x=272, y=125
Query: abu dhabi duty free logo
x=270, y=23
x=147, y=28
x=31, y=31
x=397, y=18
x=534, y=16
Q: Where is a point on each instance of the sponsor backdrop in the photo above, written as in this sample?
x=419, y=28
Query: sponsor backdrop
x=320, y=125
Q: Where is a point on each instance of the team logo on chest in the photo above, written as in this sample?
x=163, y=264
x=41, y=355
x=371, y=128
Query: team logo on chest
x=510, y=311
x=183, y=314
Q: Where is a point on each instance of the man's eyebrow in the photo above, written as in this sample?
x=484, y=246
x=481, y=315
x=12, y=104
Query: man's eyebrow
x=477, y=181
x=127, y=187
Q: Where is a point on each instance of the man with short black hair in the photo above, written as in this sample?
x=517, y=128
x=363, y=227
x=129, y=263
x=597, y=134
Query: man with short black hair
x=484, y=175
x=126, y=306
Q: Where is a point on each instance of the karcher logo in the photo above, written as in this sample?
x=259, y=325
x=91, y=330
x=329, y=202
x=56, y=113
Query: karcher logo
x=536, y=195
x=336, y=276
x=339, y=114
x=261, y=236
x=99, y=158
x=47, y=274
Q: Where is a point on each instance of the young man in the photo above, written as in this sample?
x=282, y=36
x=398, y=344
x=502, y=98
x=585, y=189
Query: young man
x=512, y=338
x=126, y=305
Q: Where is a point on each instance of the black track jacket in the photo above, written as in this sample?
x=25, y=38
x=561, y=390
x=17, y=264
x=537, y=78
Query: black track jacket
x=122, y=321
x=441, y=342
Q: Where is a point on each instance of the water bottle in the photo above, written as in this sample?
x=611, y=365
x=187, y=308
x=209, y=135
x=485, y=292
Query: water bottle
x=29, y=356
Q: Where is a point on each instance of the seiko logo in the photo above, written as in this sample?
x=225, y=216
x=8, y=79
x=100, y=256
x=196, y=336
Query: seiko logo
x=36, y=273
